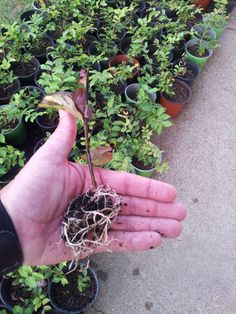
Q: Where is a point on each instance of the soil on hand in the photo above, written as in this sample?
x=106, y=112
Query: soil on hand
x=85, y=204
x=194, y=50
x=25, y=69
x=42, y=48
x=181, y=93
x=69, y=297
x=8, y=90
x=138, y=164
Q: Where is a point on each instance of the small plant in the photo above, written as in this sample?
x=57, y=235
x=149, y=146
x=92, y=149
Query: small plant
x=83, y=281
x=90, y=227
x=10, y=116
x=10, y=158
x=7, y=77
x=56, y=77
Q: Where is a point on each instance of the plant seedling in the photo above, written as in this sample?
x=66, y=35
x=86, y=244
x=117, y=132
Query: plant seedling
x=88, y=217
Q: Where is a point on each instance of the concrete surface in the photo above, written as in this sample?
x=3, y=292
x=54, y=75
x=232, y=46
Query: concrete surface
x=197, y=272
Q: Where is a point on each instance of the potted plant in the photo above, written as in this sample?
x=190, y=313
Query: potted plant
x=26, y=288
x=135, y=90
x=103, y=50
x=203, y=32
x=217, y=21
x=73, y=291
x=198, y=51
x=185, y=70
x=9, y=84
x=12, y=125
x=175, y=97
x=11, y=161
x=125, y=60
x=37, y=42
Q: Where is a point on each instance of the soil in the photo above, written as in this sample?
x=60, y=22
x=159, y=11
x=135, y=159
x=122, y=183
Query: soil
x=194, y=51
x=181, y=93
x=68, y=297
x=46, y=120
x=84, y=203
x=7, y=91
x=189, y=74
x=18, y=294
x=25, y=69
x=44, y=44
x=138, y=164
x=118, y=89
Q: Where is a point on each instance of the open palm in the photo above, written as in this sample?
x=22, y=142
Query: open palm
x=36, y=200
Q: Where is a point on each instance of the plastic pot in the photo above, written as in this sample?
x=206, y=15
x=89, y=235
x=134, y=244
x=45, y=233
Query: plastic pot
x=36, y=78
x=29, y=79
x=65, y=311
x=4, y=307
x=202, y=3
x=16, y=136
x=211, y=34
x=45, y=127
x=144, y=173
x=200, y=60
x=42, y=58
x=119, y=59
x=121, y=35
x=179, y=51
x=26, y=16
x=230, y=6
x=217, y=30
x=132, y=89
x=5, y=100
x=39, y=144
x=195, y=69
x=5, y=287
x=173, y=108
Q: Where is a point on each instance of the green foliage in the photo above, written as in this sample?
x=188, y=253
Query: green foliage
x=83, y=281
x=10, y=158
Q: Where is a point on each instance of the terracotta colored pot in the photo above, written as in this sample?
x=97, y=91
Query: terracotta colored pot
x=124, y=58
x=202, y=3
x=173, y=108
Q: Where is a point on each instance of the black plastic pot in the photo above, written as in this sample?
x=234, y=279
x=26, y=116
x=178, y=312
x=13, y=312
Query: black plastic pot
x=26, y=16
x=29, y=79
x=5, y=100
x=179, y=51
x=42, y=58
x=4, y=307
x=5, y=287
x=193, y=67
x=65, y=311
x=124, y=45
x=45, y=127
x=39, y=144
x=36, y=78
x=121, y=35
x=31, y=87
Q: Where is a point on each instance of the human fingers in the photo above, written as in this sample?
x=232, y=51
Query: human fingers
x=127, y=184
x=63, y=138
x=168, y=228
x=130, y=241
x=136, y=206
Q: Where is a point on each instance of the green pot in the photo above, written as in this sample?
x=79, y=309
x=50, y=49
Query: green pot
x=18, y=135
x=144, y=173
x=201, y=61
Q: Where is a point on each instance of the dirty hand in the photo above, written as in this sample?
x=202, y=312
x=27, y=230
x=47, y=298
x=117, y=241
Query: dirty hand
x=36, y=200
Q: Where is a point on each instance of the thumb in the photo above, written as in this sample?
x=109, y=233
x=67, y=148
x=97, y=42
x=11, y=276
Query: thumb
x=63, y=138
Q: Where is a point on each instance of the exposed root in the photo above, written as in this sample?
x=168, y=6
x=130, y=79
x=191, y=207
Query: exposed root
x=87, y=220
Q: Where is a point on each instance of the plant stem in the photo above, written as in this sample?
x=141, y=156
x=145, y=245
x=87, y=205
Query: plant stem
x=90, y=164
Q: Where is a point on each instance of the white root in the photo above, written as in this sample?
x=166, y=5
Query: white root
x=80, y=234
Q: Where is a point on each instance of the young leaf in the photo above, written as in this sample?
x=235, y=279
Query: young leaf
x=100, y=155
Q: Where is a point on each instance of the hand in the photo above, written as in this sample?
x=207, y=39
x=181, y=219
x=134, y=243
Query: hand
x=36, y=200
